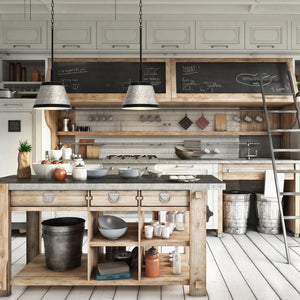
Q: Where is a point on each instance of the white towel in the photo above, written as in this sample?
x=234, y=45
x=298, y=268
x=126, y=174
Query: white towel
x=270, y=189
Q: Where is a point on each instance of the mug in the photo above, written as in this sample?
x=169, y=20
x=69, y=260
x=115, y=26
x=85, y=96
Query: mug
x=158, y=230
x=148, y=231
x=165, y=232
x=67, y=154
x=247, y=119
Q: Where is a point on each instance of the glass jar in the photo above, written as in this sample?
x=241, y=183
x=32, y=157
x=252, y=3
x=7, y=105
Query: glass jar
x=180, y=220
x=176, y=262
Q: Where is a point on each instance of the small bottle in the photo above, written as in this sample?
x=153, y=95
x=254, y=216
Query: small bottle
x=176, y=262
x=180, y=220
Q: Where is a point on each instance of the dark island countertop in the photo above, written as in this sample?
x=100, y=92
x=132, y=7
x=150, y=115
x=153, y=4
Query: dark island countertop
x=113, y=182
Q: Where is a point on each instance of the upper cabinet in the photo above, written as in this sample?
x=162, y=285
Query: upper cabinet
x=220, y=35
x=266, y=35
x=170, y=35
x=75, y=35
x=118, y=36
x=296, y=35
x=23, y=35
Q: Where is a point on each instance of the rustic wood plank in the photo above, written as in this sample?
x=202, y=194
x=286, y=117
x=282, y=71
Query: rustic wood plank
x=237, y=285
x=57, y=293
x=126, y=293
x=33, y=234
x=284, y=290
x=103, y=293
x=80, y=293
x=186, y=292
x=172, y=292
x=197, y=243
x=257, y=283
x=5, y=244
x=220, y=202
x=149, y=293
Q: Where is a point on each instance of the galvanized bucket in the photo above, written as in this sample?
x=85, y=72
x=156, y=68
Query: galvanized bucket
x=236, y=210
x=63, y=242
x=268, y=214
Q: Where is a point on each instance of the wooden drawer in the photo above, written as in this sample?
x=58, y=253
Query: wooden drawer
x=114, y=198
x=165, y=198
x=252, y=171
x=48, y=198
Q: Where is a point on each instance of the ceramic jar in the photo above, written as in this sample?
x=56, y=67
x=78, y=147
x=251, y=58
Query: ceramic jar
x=152, y=263
x=77, y=160
x=79, y=172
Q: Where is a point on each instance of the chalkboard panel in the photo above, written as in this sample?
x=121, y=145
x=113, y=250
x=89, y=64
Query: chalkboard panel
x=231, y=77
x=108, y=77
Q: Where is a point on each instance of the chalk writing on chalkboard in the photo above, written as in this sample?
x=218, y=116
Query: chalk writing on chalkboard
x=231, y=77
x=108, y=77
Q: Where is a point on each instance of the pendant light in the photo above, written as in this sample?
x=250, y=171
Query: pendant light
x=140, y=95
x=52, y=95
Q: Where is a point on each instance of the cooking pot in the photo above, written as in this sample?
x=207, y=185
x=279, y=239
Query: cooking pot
x=130, y=172
x=6, y=93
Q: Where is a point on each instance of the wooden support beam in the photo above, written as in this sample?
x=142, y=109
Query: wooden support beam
x=33, y=235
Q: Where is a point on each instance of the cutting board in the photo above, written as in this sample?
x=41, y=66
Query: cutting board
x=82, y=148
x=92, y=151
x=220, y=122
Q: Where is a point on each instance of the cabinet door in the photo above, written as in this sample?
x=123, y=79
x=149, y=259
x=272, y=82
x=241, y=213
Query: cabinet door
x=118, y=36
x=266, y=35
x=75, y=35
x=296, y=35
x=21, y=35
x=220, y=35
x=170, y=35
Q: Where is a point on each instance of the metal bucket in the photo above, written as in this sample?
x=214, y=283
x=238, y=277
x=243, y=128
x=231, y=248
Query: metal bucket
x=63, y=242
x=268, y=214
x=236, y=210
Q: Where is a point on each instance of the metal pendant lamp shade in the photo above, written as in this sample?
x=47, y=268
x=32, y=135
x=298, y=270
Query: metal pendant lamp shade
x=140, y=95
x=52, y=95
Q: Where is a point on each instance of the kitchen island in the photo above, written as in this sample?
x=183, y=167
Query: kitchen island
x=110, y=193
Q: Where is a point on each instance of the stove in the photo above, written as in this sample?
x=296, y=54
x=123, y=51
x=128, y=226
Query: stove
x=130, y=159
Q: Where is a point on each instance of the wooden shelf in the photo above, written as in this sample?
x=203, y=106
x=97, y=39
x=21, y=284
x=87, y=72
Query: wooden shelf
x=163, y=133
x=177, y=238
x=130, y=238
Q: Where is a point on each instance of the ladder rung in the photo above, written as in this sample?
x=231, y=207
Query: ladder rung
x=290, y=194
x=292, y=217
x=285, y=130
x=288, y=171
x=286, y=150
x=281, y=111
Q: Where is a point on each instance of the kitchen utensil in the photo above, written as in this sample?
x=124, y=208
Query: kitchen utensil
x=194, y=146
x=92, y=151
x=180, y=221
x=202, y=122
x=123, y=256
x=6, y=93
x=79, y=172
x=55, y=154
x=112, y=234
x=185, y=122
x=66, y=124
x=67, y=153
x=45, y=171
x=220, y=122
x=129, y=172
x=165, y=232
x=82, y=148
x=148, y=231
x=97, y=172
x=111, y=222
x=183, y=153
x=157, y=230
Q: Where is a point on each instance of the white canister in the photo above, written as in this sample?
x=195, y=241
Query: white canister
x=165, y=232
x=180, y=220
x=79, y=172
x=67, y=154
x=162, y=217
x=148, y=231
x=77, y=161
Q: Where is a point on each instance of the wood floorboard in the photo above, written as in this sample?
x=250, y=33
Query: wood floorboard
x=250, y=266
x=291, y=241
x=280, y=285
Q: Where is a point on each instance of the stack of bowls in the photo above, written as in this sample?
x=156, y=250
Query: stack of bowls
x=112, y=227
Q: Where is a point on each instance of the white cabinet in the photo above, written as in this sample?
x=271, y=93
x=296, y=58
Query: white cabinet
x=75, y=35
x=295, y=35
x=198, y=169
x=170, y=35
x=266, y=35
x=23, y=35
x=118, y=36
x=219, y=35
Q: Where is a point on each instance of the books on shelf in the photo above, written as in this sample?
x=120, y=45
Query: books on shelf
x=110, y=268
x=124, y=275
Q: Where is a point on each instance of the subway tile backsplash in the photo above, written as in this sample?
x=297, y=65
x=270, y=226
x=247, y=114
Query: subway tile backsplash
x=166, y=120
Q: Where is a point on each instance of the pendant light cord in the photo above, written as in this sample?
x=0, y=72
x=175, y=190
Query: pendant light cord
x=141, y=41
x=52, y=37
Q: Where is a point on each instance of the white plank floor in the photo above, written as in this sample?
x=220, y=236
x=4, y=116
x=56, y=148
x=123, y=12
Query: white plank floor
x=239, y=267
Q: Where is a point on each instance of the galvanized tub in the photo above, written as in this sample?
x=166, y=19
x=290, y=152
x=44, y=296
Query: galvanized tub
x=235, y=210
x=63, y=242
x=268, y=214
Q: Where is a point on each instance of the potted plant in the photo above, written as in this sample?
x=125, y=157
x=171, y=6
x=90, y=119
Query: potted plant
x=24, y=157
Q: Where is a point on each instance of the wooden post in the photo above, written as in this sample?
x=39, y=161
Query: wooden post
x=33, y=235
x=198, y=243
x=5, y=242
x=220, y=203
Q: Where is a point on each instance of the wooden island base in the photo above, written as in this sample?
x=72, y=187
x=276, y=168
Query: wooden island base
x=95, y=199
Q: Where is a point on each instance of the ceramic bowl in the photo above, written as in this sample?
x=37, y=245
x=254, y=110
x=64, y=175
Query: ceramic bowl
x=112, y=234
x=96, y=172
x=45, y=171
x=112, y=227
x=55, y=154
x=183, y=153
x=129, y=172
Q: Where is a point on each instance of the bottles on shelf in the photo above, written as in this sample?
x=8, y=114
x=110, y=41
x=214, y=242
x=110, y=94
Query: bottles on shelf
x=176, y=262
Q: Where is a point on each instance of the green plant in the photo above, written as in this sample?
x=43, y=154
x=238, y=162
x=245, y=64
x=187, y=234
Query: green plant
x=24, y=146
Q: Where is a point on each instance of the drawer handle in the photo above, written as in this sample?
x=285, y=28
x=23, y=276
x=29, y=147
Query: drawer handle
x=219, y=46
x=113, y=197
x=21, y=46
x=71, y=46
x=120, y=46
x=265, y=46
x=170, y=46
x=164, y=197
x=48, y=197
